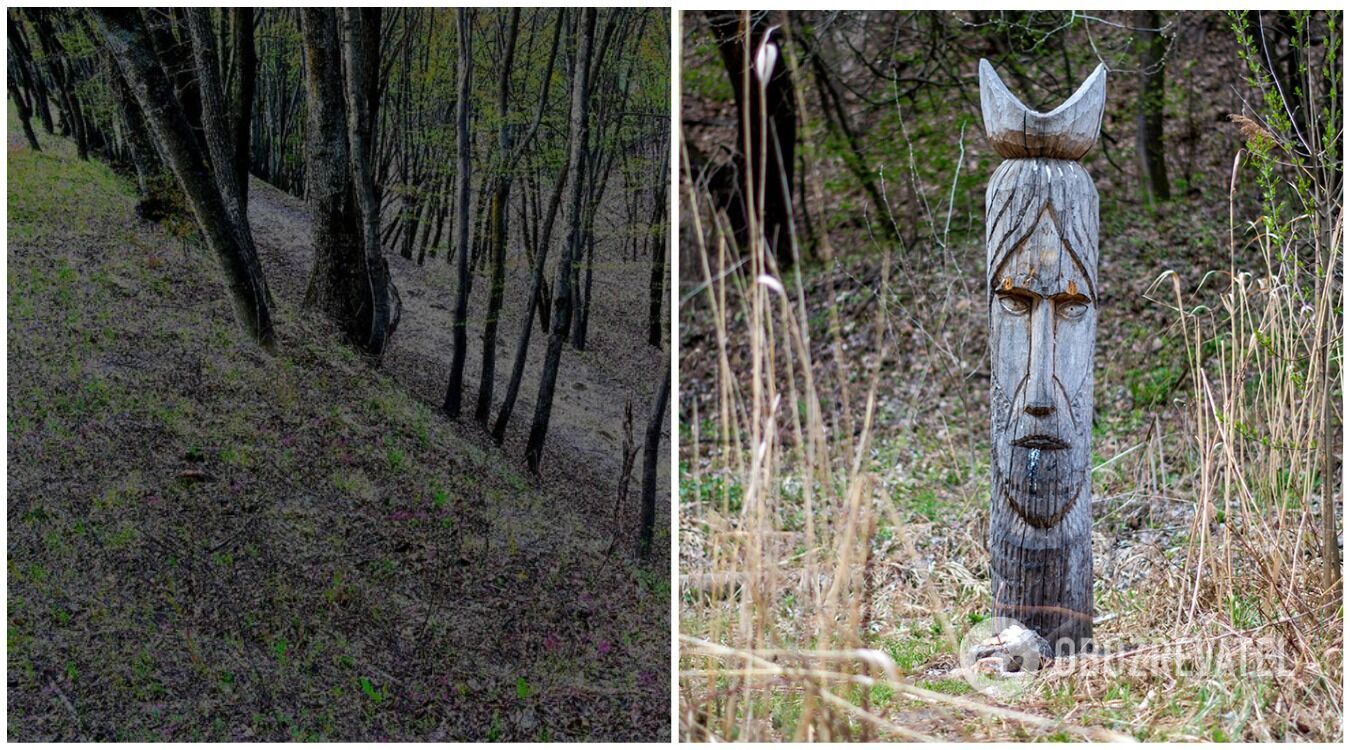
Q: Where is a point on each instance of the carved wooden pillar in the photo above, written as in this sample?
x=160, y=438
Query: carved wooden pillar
x=1041, y=239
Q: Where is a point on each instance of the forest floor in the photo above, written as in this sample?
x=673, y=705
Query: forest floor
x=926, y=572
x=208, y=542
x=925, y=580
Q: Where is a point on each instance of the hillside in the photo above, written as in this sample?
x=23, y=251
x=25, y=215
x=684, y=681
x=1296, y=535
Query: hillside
x=209, y=542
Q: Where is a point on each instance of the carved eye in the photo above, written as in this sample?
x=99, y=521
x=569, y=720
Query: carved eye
x=1015, y=304
x=1072, y=310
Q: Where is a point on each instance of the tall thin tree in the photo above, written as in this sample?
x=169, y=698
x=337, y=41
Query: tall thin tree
x=656, y=282
x=359, y=29
x=25, y=113
x=454, y=392
x=241, y=89
x=1149, y=136
x=216, y=125
x=651, y=454
x=497, y=222
x=578, y=135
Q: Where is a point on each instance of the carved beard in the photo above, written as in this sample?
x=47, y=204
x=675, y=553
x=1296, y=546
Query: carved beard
x=1041, y=489
x=1041, y=485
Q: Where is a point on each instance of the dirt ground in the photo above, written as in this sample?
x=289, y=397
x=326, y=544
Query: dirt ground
x=585, y=434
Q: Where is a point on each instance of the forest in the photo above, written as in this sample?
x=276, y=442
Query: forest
x=849, y=528
x=338, y=374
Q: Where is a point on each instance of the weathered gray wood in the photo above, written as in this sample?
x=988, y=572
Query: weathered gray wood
x=1066, y=132
x=1041, y=238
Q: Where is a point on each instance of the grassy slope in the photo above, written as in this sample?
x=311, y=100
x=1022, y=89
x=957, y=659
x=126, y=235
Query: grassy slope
x=207, y=542
x=930, y=449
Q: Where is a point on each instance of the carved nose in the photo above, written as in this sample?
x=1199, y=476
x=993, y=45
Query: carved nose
x=1040, y=400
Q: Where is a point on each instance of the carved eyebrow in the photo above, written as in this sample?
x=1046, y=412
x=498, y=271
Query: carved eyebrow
x=1070, y=294
x=1073, y=296
x=1008, y=288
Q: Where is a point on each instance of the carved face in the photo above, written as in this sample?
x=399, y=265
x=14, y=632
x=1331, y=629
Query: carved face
x=1043, y=322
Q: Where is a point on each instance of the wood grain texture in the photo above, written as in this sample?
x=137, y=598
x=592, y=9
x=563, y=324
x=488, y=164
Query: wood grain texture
x=1041, y=242
x=1066, y=132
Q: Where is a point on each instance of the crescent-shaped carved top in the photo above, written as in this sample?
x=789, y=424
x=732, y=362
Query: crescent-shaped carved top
x=1018, y=132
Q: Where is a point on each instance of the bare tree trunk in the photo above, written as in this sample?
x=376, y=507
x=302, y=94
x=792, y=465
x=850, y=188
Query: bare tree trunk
x=497, y=233
x=454, y=392
x=133, y=50
x=578, y=135
x=442, y=211
x=216, y=121
x=1149, y=137
x=581, y=321
x=144, y=158
x=25, y=114
x=577, y=310
x=29, y=76
x=346, y=284
x=766, y=126
x=359, y=29
x=527, y=322
x=176, y=59
x=431, y=214
x=651, y=454
x=656, y=284
x=72, y=114
x=242, y=88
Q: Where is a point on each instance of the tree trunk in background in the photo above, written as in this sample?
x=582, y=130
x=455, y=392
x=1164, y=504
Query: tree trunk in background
x=343, y=285
x=578, y=134
x=770, y=162
x=407, y=194
x=133, y=50
x=497, y=224
x=359, y=30
x=144, y=158
x=430, y=210
x=216, y=121
x=581, y=292
x=812, y=200
x=29, y=77
x=1150, y=45
x=54, y=52
x=651, y=454
x=442, y=210
x=242, y=86
x=534, y=302
x=176, y=58
x=656, y=283
x=454, y=392
x=25, y=114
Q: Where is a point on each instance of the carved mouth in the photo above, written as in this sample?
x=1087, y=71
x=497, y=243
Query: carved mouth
x=1041, y=442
